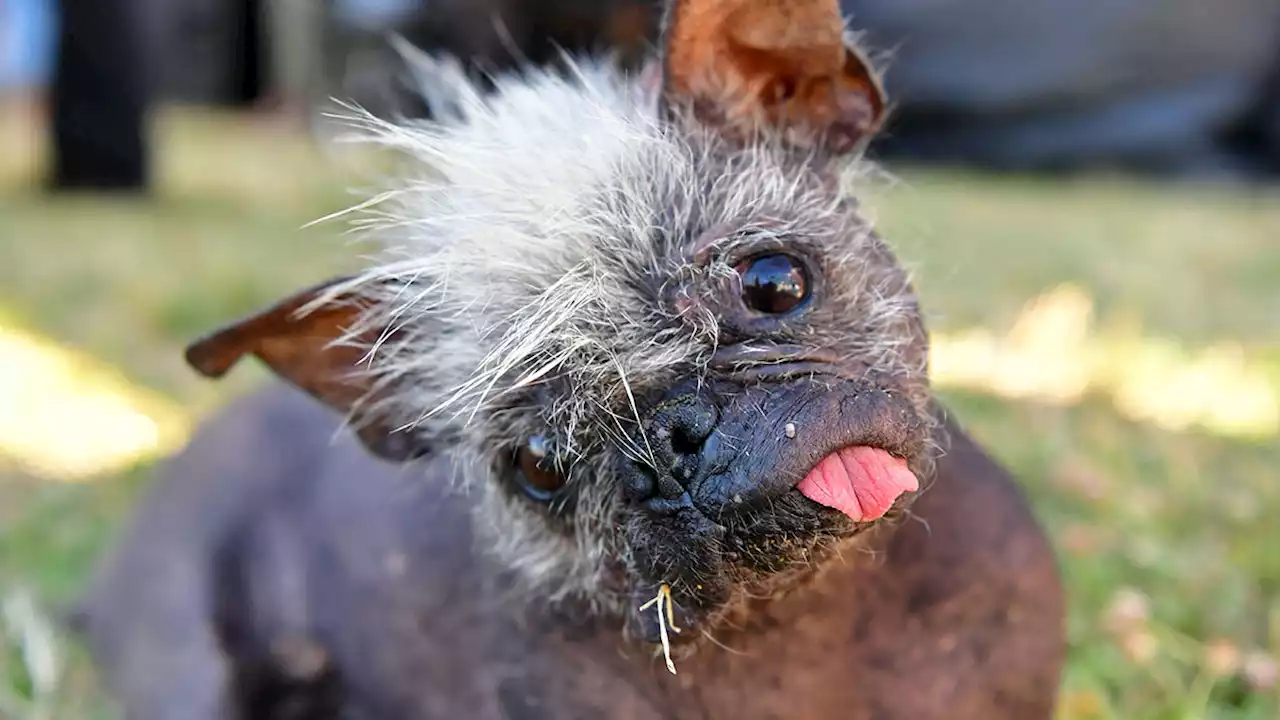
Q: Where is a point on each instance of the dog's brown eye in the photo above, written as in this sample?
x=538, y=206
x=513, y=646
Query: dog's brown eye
x=773, y=284
x=538, y=476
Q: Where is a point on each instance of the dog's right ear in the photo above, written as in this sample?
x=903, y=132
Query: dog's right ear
x=783, y=66
x=313, y=340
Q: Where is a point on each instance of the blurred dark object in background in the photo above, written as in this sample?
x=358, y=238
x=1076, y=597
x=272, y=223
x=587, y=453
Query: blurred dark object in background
x=249, y=72
x=214, y=52
x=1165, y=86
x=99, y=98
x=489, y=35
x=211, y=52
x=301, y=53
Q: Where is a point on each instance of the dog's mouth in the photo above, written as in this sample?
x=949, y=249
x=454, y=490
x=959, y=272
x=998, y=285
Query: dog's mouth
x=769, y=499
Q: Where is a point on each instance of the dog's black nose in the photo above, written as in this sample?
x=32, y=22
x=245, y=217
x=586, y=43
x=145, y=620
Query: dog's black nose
x=672, y=445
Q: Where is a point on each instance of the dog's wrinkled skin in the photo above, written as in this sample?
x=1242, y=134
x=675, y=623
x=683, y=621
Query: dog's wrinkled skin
x=569, y=277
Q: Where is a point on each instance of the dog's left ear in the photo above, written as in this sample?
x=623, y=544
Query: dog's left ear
x=312, y=346
x=778, y=65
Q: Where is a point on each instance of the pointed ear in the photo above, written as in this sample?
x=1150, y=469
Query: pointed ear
x=310, y=346
x=779, y=65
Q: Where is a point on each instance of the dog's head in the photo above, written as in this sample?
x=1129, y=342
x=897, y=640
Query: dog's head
x=641, y=312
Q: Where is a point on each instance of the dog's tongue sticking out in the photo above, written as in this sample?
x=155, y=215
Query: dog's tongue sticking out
x=861, y=482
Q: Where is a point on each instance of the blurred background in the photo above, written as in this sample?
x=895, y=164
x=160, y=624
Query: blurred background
x=1089, y=194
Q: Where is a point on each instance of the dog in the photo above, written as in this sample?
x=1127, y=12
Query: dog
x=628, y=417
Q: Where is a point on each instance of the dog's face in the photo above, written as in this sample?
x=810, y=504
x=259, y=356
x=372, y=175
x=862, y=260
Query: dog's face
x=664, y=346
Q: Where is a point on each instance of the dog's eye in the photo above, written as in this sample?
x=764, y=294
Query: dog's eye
x=773, y=284
x=537, y=473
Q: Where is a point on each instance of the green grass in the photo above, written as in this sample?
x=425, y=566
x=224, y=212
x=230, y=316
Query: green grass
x=1174, y=531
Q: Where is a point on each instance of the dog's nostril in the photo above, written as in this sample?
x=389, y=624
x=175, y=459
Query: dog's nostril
x=638, y=484
x=688, y=439
x=682, y=427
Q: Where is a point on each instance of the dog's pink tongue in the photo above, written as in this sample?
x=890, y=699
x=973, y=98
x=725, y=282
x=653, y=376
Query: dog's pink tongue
x=860, y=482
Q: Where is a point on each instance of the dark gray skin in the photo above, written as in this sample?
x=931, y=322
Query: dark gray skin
x=278, y=572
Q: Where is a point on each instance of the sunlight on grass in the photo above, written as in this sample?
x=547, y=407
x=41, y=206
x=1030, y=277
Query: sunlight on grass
x=1053, y=354
x=68, y=417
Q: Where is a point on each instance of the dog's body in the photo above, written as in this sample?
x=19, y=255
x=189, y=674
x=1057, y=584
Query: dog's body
x=365, y=580
x=655, y=388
